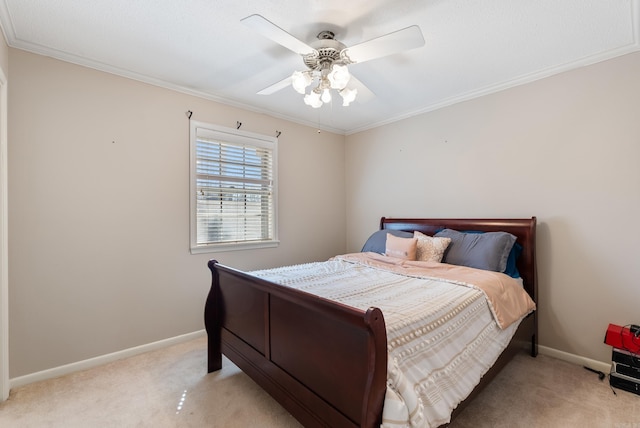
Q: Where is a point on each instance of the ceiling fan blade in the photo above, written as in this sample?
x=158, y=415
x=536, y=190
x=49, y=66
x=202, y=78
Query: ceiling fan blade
x=277, y=34
x=398, y=41
x=276, y=86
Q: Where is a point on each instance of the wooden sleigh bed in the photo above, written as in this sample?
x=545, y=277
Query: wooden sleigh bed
x=286, y=339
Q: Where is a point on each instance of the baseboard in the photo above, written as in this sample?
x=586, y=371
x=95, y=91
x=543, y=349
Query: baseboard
x=108, y=358
x=103, y=359
x=575, y=359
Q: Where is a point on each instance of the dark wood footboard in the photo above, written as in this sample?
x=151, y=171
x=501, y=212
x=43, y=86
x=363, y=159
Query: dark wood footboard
x=324, y=362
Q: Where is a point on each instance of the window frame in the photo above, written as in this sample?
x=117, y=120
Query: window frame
x=234, y=136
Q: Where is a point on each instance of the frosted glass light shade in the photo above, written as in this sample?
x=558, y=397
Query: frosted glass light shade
x=313, y=99
x=339, y=76
x=348, y=95
x=300, y=80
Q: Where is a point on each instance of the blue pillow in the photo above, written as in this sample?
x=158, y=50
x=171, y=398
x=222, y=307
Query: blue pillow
x=488, y=251
x=377, y=242
x=514, y=254
x=512, y=269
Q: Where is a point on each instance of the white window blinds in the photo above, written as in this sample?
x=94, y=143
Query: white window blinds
x=235, y=187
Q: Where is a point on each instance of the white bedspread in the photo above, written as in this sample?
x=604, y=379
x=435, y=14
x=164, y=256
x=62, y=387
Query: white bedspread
x=441, y=336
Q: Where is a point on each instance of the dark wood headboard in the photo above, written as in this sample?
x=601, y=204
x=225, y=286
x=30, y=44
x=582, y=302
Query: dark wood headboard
x=523, y=229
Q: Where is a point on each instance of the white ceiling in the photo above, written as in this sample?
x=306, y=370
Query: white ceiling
x=200, y=47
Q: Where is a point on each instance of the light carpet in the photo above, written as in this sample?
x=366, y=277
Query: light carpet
x=171, y=388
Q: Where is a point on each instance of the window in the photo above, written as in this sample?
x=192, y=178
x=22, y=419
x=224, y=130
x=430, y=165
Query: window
x=233, y=189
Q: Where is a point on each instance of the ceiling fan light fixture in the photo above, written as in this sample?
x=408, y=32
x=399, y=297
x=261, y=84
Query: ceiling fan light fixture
x=300, y=80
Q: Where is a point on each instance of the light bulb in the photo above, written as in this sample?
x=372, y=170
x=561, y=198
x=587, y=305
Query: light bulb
x=326, y=96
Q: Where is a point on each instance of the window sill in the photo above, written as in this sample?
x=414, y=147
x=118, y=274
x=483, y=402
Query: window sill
x=235, y=246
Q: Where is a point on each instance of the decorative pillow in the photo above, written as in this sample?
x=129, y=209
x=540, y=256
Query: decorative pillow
x=401, y=248
x=377, y=242
x=488, y=251
x=430, y=249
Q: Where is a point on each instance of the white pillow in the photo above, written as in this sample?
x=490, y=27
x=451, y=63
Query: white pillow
x=430, y=249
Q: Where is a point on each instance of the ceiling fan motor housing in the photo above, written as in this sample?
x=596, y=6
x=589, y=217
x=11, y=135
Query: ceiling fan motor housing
x=328, y=51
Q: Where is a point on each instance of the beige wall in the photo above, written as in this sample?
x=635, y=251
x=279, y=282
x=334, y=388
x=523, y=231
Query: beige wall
x=99, y=210
x=98, y=199
x=565, y=149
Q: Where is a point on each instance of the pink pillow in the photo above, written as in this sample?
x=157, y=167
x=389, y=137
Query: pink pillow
x=401, y=248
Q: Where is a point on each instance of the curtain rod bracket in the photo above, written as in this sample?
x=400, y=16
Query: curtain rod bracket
x=278, y=133
x=238, y=125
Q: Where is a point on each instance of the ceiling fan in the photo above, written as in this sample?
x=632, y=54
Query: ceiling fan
x=327, y=59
